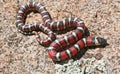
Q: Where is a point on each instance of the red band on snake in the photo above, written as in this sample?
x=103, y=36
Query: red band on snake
x=55, y=46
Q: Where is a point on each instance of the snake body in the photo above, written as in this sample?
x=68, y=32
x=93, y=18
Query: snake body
x=56, y=44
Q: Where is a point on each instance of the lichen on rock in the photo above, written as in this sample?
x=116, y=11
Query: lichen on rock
x=82, y=66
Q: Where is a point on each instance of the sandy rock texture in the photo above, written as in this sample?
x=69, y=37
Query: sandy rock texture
x=20, y=54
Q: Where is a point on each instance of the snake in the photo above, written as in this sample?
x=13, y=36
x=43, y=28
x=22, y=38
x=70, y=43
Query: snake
x=56, y=46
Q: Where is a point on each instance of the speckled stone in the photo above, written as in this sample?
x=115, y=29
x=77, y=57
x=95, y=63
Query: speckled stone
x=98, y=56
x=20, y=54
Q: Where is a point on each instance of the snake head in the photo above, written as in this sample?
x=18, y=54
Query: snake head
x=99, y=41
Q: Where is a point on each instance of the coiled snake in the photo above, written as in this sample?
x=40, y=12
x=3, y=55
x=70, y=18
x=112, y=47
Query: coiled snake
x=55, y=45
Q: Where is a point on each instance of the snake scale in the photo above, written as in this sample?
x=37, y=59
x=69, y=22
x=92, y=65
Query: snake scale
x=56, y=47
